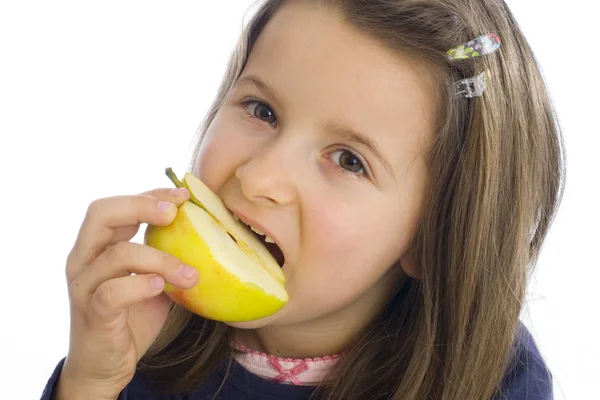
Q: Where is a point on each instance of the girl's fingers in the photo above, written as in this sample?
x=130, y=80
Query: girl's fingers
x=114, y=296
x=149, y=318
x=105, y=216
x=124, y=234
x=125, y=258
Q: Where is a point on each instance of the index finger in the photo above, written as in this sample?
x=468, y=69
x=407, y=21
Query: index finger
x=105, y=216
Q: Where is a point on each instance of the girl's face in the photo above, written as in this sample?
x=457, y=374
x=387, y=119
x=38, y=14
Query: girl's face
x=321, y=144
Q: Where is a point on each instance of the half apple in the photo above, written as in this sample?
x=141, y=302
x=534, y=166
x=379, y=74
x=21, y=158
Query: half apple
x=240, y=280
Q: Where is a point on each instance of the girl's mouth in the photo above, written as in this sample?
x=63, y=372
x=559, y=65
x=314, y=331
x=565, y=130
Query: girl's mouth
x=275, y=252
x=268, y=243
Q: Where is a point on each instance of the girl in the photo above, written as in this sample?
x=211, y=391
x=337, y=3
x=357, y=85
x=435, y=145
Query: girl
x=407, y=194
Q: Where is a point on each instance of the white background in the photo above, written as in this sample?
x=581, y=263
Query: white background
x=97, y=98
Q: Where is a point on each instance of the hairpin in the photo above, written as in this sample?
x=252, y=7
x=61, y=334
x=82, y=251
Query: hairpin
x=482, y=45
x=472, y=87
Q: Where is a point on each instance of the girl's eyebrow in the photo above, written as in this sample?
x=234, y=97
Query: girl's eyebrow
x=251, y=80
x=338, y=130
x=360, y=138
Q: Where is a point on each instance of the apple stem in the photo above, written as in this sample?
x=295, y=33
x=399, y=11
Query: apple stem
x=169, y=172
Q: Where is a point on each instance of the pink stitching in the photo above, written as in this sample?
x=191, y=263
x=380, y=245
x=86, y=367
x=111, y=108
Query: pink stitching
x=289, y=374
x=285, y=359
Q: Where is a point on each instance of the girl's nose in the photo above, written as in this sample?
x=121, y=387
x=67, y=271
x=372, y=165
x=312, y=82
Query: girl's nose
x=268, y=178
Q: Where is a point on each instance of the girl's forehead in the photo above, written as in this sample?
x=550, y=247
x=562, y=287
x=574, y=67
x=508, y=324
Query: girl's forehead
x=315, y=49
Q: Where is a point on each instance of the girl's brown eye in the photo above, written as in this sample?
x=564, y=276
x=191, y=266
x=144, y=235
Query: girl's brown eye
x=348, y=161
x=262, y=112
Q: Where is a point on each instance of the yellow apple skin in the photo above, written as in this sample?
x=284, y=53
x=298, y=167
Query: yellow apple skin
x=219, y=295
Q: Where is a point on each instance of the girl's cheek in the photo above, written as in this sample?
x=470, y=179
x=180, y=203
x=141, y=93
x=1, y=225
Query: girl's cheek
x=214, y=155
x=209, y=165
x=337, y=225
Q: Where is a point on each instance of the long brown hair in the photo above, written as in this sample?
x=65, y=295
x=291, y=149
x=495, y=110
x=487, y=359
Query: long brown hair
x=496, y=168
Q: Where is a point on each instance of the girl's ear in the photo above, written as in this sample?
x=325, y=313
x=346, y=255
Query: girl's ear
x=411, y=265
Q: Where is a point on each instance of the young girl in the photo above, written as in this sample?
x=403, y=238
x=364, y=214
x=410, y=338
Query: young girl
x=407, y=193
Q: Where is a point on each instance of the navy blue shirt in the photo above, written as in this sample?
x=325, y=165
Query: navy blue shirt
x=526, y=379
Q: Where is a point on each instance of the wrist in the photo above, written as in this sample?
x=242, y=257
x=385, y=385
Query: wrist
x=70, y=387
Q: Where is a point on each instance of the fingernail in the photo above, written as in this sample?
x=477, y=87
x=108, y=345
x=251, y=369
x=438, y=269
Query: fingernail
x=157, y=282
x=186, y=271
x=179, y=192
x=165, y=206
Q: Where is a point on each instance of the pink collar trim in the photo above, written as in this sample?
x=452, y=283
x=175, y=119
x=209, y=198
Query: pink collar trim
x=294, y=371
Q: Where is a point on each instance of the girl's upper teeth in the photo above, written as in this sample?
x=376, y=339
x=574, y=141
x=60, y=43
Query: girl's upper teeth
x=257, y=231
x=269, y=240
x=261, y=233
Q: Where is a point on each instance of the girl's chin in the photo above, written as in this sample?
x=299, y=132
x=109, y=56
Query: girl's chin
x=245, y=325
x=254, y=324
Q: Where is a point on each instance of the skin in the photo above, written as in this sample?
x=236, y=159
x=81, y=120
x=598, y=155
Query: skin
x=345, y=231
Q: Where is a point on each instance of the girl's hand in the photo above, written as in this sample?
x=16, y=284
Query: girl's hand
x=115, y=316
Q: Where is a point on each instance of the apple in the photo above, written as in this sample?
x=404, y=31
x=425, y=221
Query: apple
x=239, y=278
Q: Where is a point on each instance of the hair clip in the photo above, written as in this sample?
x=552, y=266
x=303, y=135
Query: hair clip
x=472, y=87
x=485, y=44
